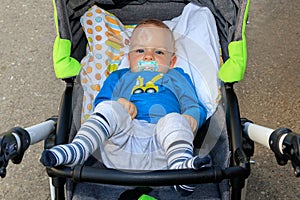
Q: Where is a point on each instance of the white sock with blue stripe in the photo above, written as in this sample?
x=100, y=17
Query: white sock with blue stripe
x=87, y=140
x=180, y=156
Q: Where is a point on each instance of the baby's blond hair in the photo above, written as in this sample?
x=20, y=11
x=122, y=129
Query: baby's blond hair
x=155, y=22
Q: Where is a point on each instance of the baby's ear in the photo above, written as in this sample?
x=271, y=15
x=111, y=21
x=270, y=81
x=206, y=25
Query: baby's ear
x=128, y=57
x=173, y=60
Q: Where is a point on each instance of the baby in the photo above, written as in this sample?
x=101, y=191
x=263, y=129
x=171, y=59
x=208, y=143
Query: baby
x=145, y=116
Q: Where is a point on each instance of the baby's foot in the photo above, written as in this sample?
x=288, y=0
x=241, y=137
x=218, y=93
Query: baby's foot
x=199, y=163
x=48, y=159
x=192, y=163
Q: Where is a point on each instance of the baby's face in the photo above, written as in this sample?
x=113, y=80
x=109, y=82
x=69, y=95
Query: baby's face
x=152, y=43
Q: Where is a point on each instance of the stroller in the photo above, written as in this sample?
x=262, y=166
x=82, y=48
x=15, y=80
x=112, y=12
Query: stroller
x=241, y=132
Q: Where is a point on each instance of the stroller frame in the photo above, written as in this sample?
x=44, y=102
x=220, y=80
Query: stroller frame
x=241, y=136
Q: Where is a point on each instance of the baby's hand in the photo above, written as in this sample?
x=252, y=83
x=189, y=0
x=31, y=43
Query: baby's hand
x=129, y=106
x=192, y=121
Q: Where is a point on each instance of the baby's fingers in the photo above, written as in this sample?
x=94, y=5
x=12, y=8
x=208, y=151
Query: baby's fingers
x=132, y=111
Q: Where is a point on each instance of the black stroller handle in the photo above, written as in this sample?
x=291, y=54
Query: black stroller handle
x=13, y=145
x=82, y=173
x=286, y=146
x=283, y=142
x=15, y=142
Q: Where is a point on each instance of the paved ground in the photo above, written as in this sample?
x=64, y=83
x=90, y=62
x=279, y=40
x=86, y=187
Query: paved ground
x=269, y=95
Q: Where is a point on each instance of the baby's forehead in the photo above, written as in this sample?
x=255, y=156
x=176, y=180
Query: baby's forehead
x=151, y=29
x=152, y=36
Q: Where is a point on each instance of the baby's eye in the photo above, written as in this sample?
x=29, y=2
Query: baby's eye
x=159, y=52
x=140, y=51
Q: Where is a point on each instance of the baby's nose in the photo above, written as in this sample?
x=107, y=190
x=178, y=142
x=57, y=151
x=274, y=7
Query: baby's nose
x=149, y=56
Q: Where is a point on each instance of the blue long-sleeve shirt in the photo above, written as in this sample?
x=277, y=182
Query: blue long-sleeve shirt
x=154, y=94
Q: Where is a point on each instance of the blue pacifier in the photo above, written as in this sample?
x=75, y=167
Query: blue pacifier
x=147, y=66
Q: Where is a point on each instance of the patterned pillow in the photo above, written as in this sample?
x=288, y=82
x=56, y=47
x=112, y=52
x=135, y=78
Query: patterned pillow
x=108, y=41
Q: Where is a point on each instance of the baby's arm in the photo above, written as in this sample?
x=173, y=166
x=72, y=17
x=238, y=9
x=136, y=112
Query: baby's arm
x=129, y=106
x=191, y=108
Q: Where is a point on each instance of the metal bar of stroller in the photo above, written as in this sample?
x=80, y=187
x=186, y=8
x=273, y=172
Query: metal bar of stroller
x=239, y=157
x=82, y=173
x=63, y=127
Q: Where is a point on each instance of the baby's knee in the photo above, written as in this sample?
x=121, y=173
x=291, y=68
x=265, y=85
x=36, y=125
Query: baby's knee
x=109, y=107
x=174, y=119
x=173, y=127
x=113, y=111
x=173, y=122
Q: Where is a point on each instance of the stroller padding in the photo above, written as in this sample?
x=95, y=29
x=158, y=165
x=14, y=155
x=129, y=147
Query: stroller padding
x=92, y=192
x=220, y=156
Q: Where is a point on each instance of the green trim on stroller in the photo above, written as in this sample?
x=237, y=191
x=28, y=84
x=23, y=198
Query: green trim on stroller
x=233, y=69
x=237, y=61
x=146, y=197
x=64, y=65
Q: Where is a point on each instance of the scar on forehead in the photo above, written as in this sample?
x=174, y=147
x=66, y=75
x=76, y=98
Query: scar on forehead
x=142, y=35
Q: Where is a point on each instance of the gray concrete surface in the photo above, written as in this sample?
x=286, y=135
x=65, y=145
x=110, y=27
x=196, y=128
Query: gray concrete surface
x=269, y=95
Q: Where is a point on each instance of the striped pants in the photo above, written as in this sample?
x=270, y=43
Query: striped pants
x=120, y=142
